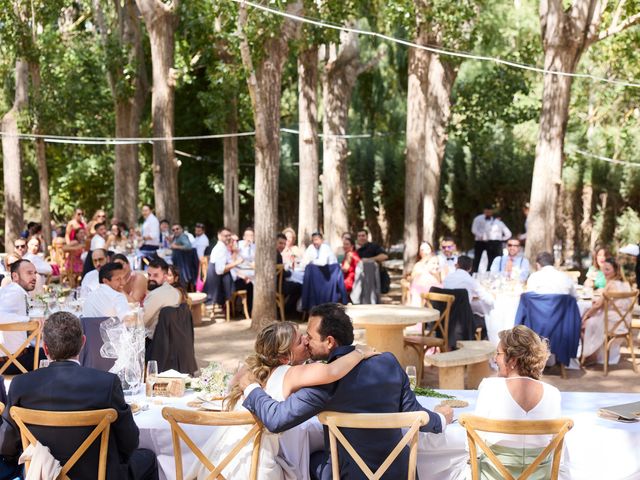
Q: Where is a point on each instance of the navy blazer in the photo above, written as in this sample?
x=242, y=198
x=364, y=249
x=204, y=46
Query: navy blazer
x=66, y=386
x=375, y=385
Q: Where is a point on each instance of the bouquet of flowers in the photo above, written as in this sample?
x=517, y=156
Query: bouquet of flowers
x=213, y=381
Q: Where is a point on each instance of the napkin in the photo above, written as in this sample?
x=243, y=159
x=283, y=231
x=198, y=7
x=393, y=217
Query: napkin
x=173, y=374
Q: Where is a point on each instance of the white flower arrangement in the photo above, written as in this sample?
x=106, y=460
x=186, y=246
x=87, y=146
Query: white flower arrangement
x=213, y=380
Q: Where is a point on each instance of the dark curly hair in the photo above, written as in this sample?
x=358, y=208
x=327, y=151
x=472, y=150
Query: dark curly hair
x=335, y=322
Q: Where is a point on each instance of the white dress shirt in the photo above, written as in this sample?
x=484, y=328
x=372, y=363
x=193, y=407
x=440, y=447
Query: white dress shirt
x=151, y=228
x=97, y=242
x=90, y=282
x=42, y=266
x=247, y=252
x=200, y=243
x=491, y=228
x=520, y=266
x=13, y=308
x=219, y=257
x=480, y=299
x=498, y=230
x=320, y=256
x=549, y=280
x=106, y=302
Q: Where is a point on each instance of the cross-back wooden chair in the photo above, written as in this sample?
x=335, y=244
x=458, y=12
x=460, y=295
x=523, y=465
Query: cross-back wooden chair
x=611, y=325
x=101, y=419
x=280, y=297
x=405, y=287
x=421, y=343
x=558, y=428
x=176, y=416
x=411, y=420
x=34, y=331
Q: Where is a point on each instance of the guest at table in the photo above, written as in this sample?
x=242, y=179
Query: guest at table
x=201, y=241
x=514, y=265
x=161, y=294
x=247, y=246
x=219, y=284
x=349, y=263
x=517, y=394
x=547, y=279
x=108, y=300
x=480, y=299
x=180, y=240
x=369, y=251
x=66, y=386
x=42, y=266
x=76, y=253
x=116, y=240
x=99, y=217
x=134, y=284
x=291, y=252
x=74, y=224
x=150, y=230
x=424, y=275
x=593, y=319
x=291, y=289
x=91, y=280
x=595, y=275
x=447, y=256
x=14, y=307
x=166, y=237
x=173, y=279
x=319, y=253
x=99, y=238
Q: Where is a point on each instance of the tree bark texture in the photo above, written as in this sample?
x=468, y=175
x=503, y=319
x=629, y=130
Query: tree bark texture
x=11, y=157
x=264, y=82
x=416, y=119
x=230, y=146
x=308, y=144
x=160, y=20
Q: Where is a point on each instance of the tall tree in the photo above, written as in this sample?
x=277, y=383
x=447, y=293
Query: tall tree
x=264, y=80
x=566, y=33
x=160, y=19
x=230, y=170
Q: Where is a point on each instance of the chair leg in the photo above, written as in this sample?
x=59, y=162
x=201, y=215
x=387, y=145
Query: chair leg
x=606, y=358
x=563, y=371
x=281, y=308
x=227, y=308
x=245, y=307
x=633, y=356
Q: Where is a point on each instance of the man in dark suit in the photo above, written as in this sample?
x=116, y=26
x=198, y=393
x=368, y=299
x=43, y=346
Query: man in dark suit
x=66, y=386
x=375, y=385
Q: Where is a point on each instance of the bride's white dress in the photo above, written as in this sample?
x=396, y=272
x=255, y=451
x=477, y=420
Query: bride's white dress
x=283, y=456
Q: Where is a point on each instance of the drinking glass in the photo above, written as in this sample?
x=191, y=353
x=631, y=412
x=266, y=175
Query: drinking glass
x=413, y=376
x=152, y=373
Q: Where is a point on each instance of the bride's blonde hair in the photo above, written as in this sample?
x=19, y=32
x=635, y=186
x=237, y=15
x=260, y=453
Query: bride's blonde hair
x=273, y=344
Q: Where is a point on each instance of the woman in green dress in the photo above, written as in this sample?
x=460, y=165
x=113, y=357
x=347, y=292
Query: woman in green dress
x=595, y=276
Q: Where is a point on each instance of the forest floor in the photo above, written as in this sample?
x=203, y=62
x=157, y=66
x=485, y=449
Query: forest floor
x=230, y=342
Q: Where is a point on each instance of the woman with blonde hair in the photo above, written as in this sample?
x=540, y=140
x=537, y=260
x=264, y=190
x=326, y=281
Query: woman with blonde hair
x=291, y=250
x=517, y=394
x=424, y=275
x=280, y=350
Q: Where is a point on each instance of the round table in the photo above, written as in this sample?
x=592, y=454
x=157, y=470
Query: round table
x=384, y=325
x=197, y=303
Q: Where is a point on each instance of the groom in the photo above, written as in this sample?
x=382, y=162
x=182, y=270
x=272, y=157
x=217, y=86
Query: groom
x=375, y=385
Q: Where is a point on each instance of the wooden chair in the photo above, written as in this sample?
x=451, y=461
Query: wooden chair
x=58, y=256
x=558, y=428
x=231, y=305
x=411, y=420
x=405, y=286
x=609, y=305
x=34, y=331
x=280, y=297
x=175, y=416
x=421, y=343
x=101, y=419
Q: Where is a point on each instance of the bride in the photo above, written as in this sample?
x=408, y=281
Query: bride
x=280, y=350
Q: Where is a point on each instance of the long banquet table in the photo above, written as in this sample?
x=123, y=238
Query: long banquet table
x=594, y=449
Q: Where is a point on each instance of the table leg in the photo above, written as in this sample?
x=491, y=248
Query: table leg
x=196, y=314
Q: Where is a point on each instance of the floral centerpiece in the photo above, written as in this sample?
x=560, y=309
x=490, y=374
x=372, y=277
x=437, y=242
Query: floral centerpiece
x=213, y=381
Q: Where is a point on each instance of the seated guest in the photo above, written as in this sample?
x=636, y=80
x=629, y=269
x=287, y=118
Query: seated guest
x=593, y=319
x=161, y=294
x=242, y=277
x=91, y=280
x=100, y=238
x=116, y=240
x=369, y=251
x=290, y=289
x=33, y=255
x=517, y=394
x=291, y=252
x=424, y=275
x=173, y=279
x=108, y=300
x=220, y=266
x=480, y=299
x=595, y=275
x=14, y=307
x=165, y=233
x=201, y=241
x=514, y=265
x=180, y=239
x=135, y=283
x=9, y=468
x=8, y=261
x=547, y=279
x=447, y=256
x=66, y=386
x=319, y=253
x=349, y=262
x=247, y=246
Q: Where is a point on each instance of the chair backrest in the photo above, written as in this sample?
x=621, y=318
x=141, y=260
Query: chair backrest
x=611, y=305
x=173, y=341
x=280, y=278
x=411, y=420
x=34, y=331
x=176, y=416
x=558, y=428
x=405, y=286
x=101, y=419
x=442, y=323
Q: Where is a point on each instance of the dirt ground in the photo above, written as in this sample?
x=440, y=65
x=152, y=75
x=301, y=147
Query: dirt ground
x=230, y=342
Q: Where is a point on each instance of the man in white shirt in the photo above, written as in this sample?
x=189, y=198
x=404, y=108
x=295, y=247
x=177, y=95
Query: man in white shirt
x=14, y=307
x=150, y=230
x=161, y=294
x=319, y=253
x=246, y=246
x=100, y=238
x=481, y=301
x=514, y=265
x=447, y=256
x=221, y=263
x=547, y=279
x=108, y=300
x=91, y=280
x=201, y=241
x=484, y=232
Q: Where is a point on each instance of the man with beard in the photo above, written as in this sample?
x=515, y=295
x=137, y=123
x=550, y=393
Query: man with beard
x=161, y=294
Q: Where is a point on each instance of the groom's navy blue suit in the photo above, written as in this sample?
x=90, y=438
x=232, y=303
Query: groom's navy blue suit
x=375, y=385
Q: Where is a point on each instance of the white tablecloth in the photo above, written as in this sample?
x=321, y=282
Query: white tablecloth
x=594, y=449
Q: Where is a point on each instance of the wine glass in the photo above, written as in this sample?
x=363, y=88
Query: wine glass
x=413, y=376
x=152, y=373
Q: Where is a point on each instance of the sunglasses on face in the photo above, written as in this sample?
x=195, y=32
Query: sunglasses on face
x=513, y=244
x=22, y=245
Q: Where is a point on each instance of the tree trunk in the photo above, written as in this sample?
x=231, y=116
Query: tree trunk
x=160, y=19
x=230, y=146
x=308, y=144
x=441, y=76
x=416, y=119
x=264, y=84
x=11, y=158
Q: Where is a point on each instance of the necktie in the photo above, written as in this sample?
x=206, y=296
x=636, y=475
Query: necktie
x=509, y=266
